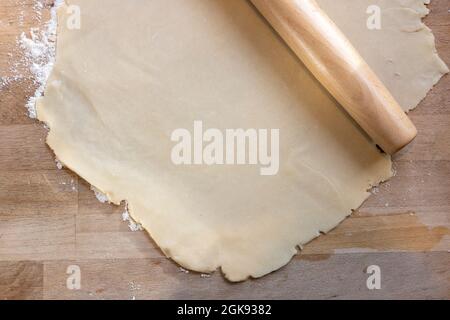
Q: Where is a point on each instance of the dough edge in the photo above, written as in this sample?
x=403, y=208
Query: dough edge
x=63, y=155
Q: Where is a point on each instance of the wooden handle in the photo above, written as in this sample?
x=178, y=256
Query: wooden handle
x=327, y=53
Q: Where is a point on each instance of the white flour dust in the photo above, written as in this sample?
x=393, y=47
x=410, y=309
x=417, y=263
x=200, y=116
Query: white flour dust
x=34, y=54
x=39, y=50
x=33, y=58
x=131, y=223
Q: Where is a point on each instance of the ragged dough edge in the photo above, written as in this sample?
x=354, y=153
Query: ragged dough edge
x=421, y=13
x=63, y=155
x=65, y=158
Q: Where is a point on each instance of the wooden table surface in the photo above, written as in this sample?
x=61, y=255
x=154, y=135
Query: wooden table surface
x=50, y=220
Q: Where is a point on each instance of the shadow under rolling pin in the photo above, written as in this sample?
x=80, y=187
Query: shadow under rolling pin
x=333, y=60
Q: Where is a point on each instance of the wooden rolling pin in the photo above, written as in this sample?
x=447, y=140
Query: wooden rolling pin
x=330, y=56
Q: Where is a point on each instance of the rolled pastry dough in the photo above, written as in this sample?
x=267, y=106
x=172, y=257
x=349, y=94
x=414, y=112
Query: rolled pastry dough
x=139, y=69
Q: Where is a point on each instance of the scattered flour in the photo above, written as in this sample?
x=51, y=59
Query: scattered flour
x=59, y=164
x=375, y=190
x=131, y=223
x=184, y=270
x=33, y=57
x=37, y=5
x=39, y=50
x=103, y=198
x=134, y=286
x=35, y=52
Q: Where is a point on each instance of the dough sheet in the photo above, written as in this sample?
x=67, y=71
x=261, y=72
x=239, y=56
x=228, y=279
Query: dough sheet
x=137, y=70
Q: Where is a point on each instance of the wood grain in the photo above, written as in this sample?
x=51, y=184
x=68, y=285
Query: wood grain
x=49, y=218
x=21, y=280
